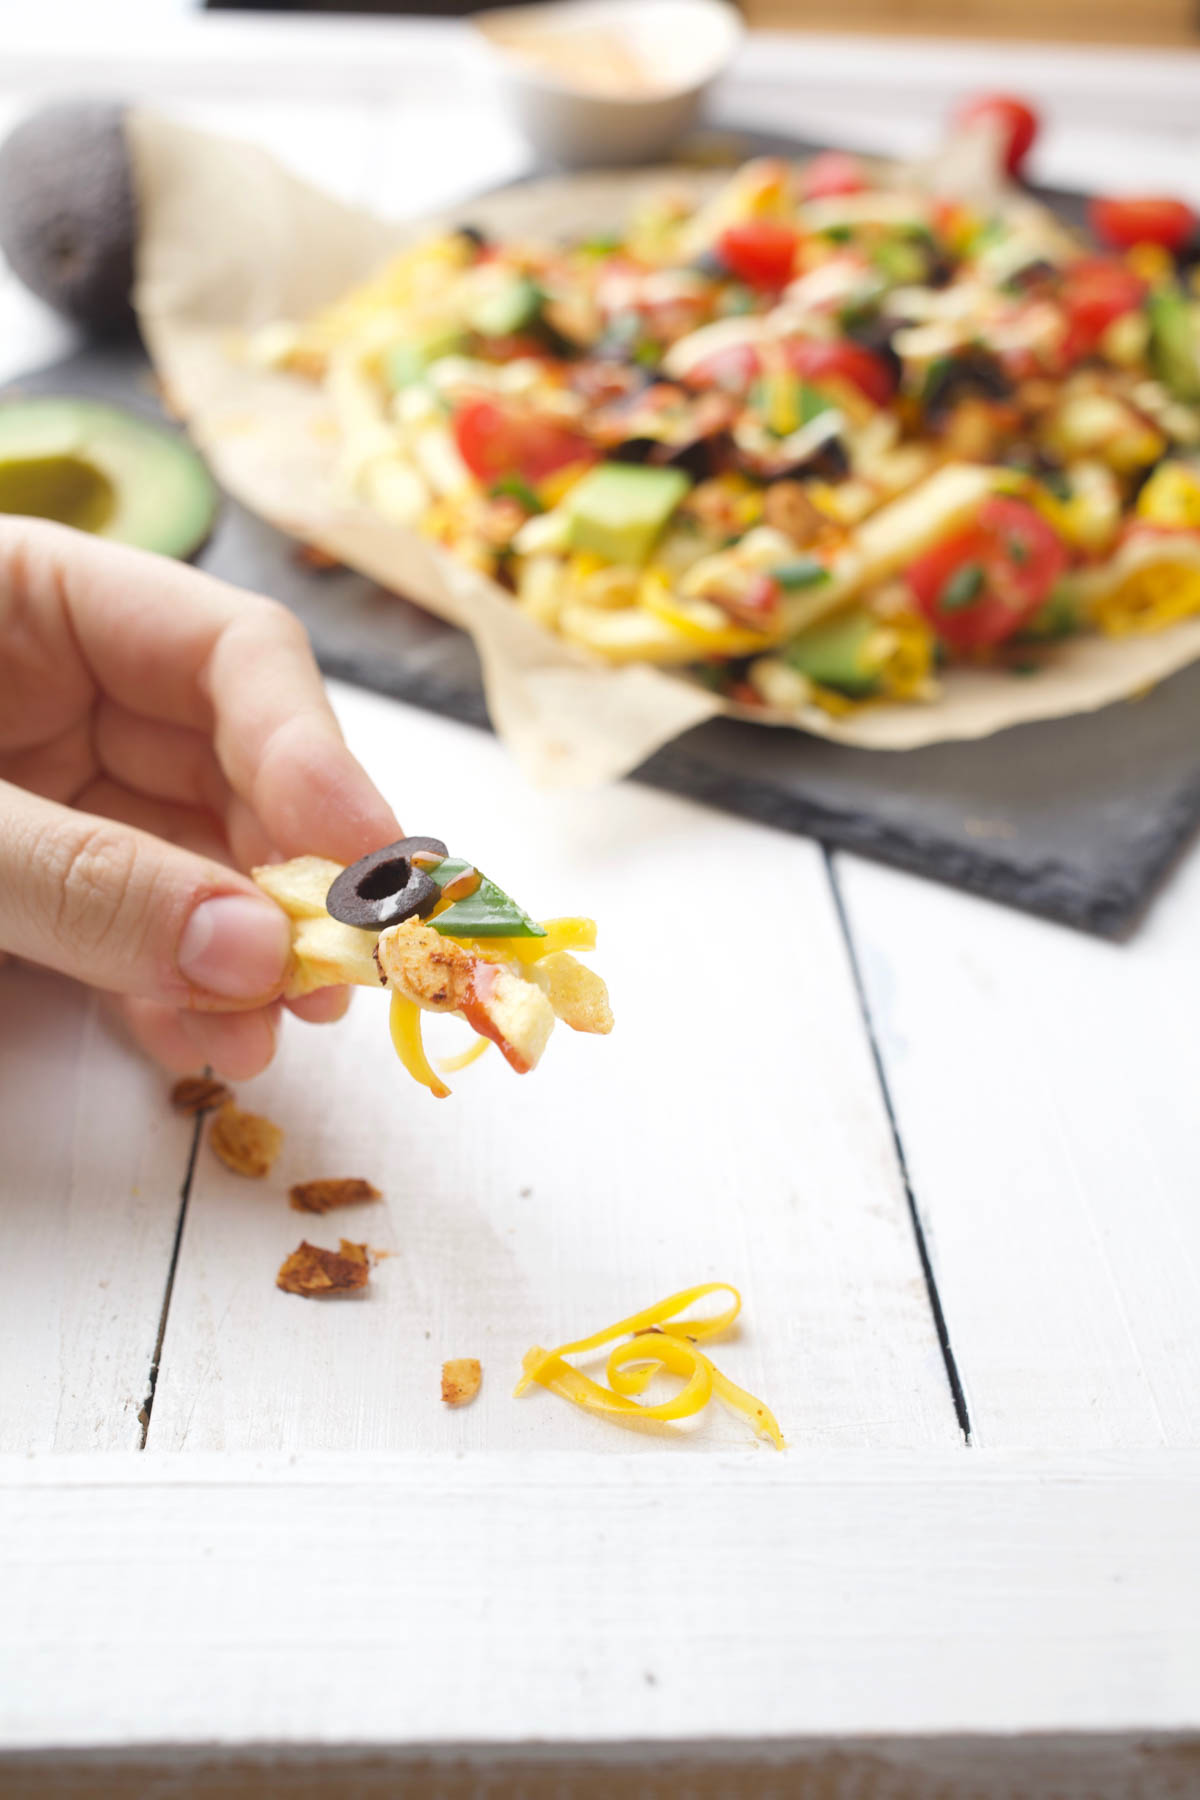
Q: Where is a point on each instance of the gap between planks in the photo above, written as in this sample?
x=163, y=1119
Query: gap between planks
x=185, y=1193
x=957, y=1392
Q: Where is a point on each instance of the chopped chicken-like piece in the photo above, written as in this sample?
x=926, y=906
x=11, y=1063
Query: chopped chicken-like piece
x=443, y=976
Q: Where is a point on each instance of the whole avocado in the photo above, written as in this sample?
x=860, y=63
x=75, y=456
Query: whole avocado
x=68, y=217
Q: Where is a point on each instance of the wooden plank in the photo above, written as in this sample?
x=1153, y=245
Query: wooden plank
x=1109, y=21
x=94, y=1162
x=1108, y=1766
x=440, y=1601
x=687, y=1147
x=1043, y=1089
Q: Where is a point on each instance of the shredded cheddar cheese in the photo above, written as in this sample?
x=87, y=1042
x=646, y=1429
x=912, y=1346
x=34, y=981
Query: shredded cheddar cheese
x=655, y=1339
x=450, y=1065
x=405, y=1025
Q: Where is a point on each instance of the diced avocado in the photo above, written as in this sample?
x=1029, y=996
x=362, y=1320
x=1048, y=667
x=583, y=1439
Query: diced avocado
x=837, y=653
x=408, y=360
x=508, y=308
x=106, y=471
x=618, y=511
x=1175, y=343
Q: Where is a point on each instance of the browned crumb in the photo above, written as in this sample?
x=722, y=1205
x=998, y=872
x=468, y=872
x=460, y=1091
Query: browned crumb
x=311, y=556
x=245, y=1142
x=323, y=1196
x=199, y=1094
x=314, y=1272
x=460, y=1380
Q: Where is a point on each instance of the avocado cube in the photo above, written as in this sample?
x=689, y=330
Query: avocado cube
x=618, y=511
x=1175, y=344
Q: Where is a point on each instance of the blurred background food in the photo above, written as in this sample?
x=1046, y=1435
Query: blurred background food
x=1079, y=21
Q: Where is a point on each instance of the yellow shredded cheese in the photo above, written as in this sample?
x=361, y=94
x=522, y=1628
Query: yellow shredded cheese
x=450, y=1065
x=1149, y=599
x=405, y=1024
x=657, y=1338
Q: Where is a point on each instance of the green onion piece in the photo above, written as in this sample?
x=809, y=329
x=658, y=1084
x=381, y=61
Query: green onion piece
x=837, y=653
x=801, y=572
x=488, y=912
x=965, y=585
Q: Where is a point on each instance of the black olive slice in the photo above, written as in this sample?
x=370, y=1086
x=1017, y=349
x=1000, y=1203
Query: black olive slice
x=384, y=888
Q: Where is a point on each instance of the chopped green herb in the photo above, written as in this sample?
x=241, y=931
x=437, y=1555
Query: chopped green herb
x=965, y=585
x=1019, y=551
x=838, y=234
x=812, y=404
x=737, y=300
x=1056, y=482
x=1057, y=617
x=511, y=487
x=1024, y=668
x=801, y=572
x=935, y=375
x=600, y=246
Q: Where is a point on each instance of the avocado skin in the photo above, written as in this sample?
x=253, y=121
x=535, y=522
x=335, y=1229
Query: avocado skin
x=68, y=217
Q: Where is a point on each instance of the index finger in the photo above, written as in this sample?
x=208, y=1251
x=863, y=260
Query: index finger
x=177, y=645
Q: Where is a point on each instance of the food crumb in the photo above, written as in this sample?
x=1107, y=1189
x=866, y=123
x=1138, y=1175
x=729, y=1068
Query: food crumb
x=199, y=1094
x=245, y=1142
x=311, y=556
x=314, y=1272
x=460, y=1380
x=324, y=1195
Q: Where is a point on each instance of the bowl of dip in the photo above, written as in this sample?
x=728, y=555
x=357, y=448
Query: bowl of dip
x=608, y=81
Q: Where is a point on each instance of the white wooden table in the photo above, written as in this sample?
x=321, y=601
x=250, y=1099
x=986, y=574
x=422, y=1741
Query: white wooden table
x=948, y=1153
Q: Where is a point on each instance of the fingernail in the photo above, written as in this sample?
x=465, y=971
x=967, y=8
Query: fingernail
x=235, y=946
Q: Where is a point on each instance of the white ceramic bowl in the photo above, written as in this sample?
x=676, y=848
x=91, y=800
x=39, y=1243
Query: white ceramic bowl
x=566, y=90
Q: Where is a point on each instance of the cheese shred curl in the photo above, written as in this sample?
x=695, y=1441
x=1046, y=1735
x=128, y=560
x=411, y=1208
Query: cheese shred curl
x=657, y=1339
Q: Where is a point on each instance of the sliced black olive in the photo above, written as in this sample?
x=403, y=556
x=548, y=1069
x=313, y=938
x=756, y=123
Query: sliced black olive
x=474, y=234
x=953, y=378
x=385, y=888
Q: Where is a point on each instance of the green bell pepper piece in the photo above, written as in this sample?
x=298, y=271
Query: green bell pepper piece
x=488, y=912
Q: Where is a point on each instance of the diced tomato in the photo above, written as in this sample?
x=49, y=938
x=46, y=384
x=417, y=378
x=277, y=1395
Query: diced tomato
x=817, y=359
x=495, y=441
x=832, y=172
x=1017, y=122
x=1096, y=290
x=1149, y=219
x=760, y=252
x=985, y=582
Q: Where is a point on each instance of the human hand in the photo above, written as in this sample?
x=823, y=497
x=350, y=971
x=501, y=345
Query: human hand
x=159, y=732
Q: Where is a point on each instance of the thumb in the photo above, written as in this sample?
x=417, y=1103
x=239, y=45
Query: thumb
x=125, y=911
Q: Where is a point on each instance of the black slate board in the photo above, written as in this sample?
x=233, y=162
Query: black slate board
x=1077, y=819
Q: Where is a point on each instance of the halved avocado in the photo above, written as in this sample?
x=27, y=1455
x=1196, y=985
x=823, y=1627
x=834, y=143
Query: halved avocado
x=106, y=471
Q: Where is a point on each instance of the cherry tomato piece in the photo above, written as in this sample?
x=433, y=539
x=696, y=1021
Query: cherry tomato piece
x=816, y=359
x=1095, y=292
x=832, y=172
x=1148, y=219
x=1015, y=119
x=760, y=252
x=495, y=441
x=979, y=586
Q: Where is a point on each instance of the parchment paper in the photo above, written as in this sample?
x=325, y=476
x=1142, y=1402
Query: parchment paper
x=230, y=241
